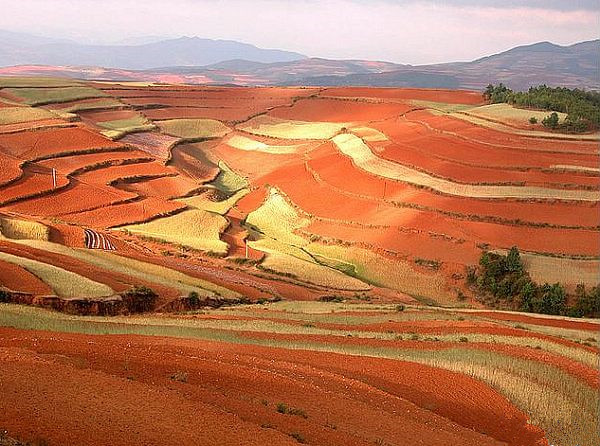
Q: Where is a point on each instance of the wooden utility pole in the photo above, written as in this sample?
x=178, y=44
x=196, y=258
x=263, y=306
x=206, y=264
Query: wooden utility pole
x=53, y=178
x=246, y=243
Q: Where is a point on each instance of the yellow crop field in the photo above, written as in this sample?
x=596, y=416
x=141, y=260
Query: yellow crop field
x=15, y=115
x=353, y=147
x=64, y=283
x=369, y=134
x=120, y=127
x=278, y=219
x=312, y=272
x=507, y=114
x=23, y=229
x=285, y=129
x=567, y=271
x=228, y=180
x=394, y=274
x=26, y=81
x=196, y=228
x=194, y=128
x=41, y=96
x=100, y=103
x=137, y=269
x=218, y=207
x=242, y=143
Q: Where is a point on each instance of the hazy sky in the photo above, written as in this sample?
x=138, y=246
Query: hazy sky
x=404, y=31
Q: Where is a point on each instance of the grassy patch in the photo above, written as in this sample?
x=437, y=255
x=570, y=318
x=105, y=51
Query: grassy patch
x=15, y=115
x=41, y=96
x=197, y=229
x=194, y=128
x=228, y=181
x=287, y=129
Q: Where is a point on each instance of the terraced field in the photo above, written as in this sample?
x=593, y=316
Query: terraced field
x=201, y=197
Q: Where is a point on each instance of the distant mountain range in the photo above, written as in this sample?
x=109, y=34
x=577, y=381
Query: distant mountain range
x=19, y=49
x=221, y=62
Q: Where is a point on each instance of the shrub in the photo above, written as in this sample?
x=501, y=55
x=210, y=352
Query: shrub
x=464, y=339
x=298, y=437
x=332, y=298
x=4, y=296
x=180, y=376
x=194, y=299
x=139, y=299
x=400, y=307
x=533, y=120
x=551, y=121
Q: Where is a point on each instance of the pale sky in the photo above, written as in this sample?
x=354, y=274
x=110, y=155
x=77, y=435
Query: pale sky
x=403, y=31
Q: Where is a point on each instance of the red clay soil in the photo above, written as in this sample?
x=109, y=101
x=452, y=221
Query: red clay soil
x=164, y=187
x=10, y=169
x=29, y=145
x=228, y=114
x=490, y=137
x=190, y=159
x=117, y=281
x=114, y=173
x=410, y=132
x=62, y=105
x=416, y=158
x=77, y=197
x=107, y=115
x=549, y=322
x=230, y=390
x=69, y=164
x=577, y=369
x=124, y=214
x=332, y=167
x=34, y=181
x=154, y=143
x=29, y=125
x=448, y=96
x=332, y=110
x=17, y=278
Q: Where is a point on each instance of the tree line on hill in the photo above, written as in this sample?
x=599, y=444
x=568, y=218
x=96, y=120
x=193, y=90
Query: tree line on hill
x=501, y=281
x=582, y=107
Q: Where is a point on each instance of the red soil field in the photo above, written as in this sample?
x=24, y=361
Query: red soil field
x=124, y=214
x=69, y=164
x=77, y=197
x=30, y=145
x=258, y=93
x=164, y=187
x=332, y=167
x=332, y=110
x=415, y=157
x=154, y=143
x=31, y=126
x=190, y=159
x=448, y=96
x=117, y=281
x=113, y=173
x=107, y=115
x=550, y=322
x=492, y=137
x=34, y=181
x=10, y=169
x=17, y=278
x=235, y=380
x=474, y=153
x=227, y=114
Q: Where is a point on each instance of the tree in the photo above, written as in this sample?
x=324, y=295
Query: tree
x=533, y=120
x=551, y=121
x=513, y=261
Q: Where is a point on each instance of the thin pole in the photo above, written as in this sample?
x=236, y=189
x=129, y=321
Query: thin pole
x=53, y=178
x=246, y=243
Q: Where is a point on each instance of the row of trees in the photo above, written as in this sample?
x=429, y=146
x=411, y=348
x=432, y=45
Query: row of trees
x=502, y=281
x=582, y=107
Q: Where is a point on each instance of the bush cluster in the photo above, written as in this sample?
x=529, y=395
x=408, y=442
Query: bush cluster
x=504, y=279
x=582, y=107
x=139, y=299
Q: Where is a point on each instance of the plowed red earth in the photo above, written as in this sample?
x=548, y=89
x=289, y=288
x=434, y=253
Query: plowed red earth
x=220, y=113
x=107, y=115
x=154, y=143
x=34, y=181
x=332, y=167
x=448, y=96
x=124, y=214
x=29, y=145
x=550, y=322
x=165, y=187
x=487, y=136
x=17, y=278
x=190, y=159
x=10, y=168
x=332, y=110
x=69, y=164
x=231, y=391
